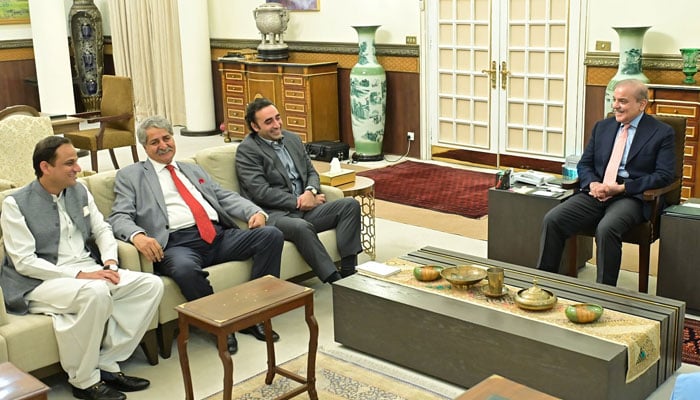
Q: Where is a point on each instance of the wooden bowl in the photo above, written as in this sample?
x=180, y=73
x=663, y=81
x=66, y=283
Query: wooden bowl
x=583, y=313
x=427, y=273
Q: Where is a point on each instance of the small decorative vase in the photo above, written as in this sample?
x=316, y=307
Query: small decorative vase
x=630, y=65
x=690, y=64
x=88, y=43
x=367, y=99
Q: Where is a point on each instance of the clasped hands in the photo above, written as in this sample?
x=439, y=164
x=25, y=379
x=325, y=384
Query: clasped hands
x=308, y=201
x=103, y=274
x=604, y=192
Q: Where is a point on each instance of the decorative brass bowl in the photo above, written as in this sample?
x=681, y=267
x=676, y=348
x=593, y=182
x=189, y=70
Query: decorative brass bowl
x=464, y=275
x=427, y=273
x=535, y=298
x=583, y=313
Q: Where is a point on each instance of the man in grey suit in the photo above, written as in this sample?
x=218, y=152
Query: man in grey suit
x=275, y=172
x=153, y=210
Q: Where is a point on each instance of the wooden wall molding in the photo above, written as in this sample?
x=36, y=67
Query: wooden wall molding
x=397, y=50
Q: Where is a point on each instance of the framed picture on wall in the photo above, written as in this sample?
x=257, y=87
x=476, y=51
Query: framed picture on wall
x=14, y=12
x=298, y=5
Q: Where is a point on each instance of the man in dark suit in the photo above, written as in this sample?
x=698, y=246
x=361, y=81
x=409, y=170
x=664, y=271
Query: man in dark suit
x=275, y=172
x=611, y=191
x=152, y=212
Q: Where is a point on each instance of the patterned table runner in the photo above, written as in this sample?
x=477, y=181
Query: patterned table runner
x=641, y=336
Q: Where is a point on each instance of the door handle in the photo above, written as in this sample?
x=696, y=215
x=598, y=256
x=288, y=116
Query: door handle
x=504, y=75
x=492, y=74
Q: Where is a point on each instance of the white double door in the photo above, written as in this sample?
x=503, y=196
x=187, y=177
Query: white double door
x=501, y=76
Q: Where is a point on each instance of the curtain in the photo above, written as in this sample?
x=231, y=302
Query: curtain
x=146, y=47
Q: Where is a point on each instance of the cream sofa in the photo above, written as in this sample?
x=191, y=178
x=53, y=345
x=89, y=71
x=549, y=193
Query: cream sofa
x=219, y=163
x=28, y=340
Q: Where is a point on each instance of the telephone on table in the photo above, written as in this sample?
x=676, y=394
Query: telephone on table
x=532, y=177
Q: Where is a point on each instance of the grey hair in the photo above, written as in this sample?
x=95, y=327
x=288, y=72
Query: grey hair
x=155, y=121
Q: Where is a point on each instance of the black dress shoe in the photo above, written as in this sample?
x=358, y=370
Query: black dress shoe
x=98, y=391
x=232, y=344
x=124, y=383
x=258, y=330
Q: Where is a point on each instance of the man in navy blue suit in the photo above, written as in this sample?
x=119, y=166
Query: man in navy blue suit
x=611, y=192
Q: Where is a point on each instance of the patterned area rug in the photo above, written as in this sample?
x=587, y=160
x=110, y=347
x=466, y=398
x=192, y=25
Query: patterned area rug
x=335, y=380
x=691, y=341
x=434, y=187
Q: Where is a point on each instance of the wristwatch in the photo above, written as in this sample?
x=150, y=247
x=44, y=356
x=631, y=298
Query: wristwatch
x=312, y=190
x=111, y=267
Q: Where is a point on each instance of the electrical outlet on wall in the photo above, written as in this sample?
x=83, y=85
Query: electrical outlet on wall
x=411, y=136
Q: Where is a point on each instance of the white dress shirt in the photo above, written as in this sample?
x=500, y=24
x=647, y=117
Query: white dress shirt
x=179, y=213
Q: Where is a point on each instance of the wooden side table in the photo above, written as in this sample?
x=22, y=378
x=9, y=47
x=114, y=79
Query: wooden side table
x=498, y=387
x=17, y=384
x=363, y=191
x=239, y=307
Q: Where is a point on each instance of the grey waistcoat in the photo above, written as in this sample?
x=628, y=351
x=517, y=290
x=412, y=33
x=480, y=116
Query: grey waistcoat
x=42, y=218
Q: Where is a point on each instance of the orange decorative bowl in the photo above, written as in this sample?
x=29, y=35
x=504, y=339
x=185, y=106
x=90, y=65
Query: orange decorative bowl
x=583, y=313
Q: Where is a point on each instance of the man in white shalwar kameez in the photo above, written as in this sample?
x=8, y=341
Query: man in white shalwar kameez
x=100, y=311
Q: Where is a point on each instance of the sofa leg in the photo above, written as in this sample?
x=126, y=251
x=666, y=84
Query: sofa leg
x=149, y=345
x=166, y=336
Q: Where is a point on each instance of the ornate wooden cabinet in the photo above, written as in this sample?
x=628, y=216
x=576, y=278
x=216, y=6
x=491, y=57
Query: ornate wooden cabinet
x=306, y=96
x=683, y=101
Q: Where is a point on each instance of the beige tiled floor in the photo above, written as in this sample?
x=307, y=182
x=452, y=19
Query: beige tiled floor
x=393, y=239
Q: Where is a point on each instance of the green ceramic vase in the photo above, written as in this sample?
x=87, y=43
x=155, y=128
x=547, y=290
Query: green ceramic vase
x=690, y=64
x=630, y=65
x=367, y=98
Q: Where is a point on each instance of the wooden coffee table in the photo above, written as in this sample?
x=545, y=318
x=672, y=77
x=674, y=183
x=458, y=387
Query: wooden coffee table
x=464, y=343
x=17, y=384
x=239, y=307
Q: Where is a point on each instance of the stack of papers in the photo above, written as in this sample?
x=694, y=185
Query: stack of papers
x=688, y=210
x=377, y=269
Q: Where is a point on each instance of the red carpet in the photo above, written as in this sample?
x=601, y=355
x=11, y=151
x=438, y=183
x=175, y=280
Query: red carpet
x=691, y=341
x=444, y=189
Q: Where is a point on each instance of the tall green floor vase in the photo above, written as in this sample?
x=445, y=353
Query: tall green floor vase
x=367, y=98
x=630, y=64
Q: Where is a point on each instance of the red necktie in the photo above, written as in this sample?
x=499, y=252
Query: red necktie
x=201, y=218
x=616, y=157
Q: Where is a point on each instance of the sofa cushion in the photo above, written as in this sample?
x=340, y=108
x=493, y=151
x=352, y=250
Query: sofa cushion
x=219, y=162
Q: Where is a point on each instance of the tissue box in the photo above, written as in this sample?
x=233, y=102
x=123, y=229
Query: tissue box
x=337, y=178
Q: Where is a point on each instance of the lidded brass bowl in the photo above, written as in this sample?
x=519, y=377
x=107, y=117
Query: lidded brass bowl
x=535, y=298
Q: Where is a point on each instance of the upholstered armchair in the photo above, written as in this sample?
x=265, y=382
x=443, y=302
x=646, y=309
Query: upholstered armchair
x=20, y=109
x=116, y=119
x=18, y=136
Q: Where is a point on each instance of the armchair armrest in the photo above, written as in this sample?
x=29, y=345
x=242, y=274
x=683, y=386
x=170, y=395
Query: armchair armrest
x=570, y=184
x=5, y=184
x=332, y=193
x=112, y=118
x=129, y=257
x=3, y=311
x=86, y=114
x=653, y=194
